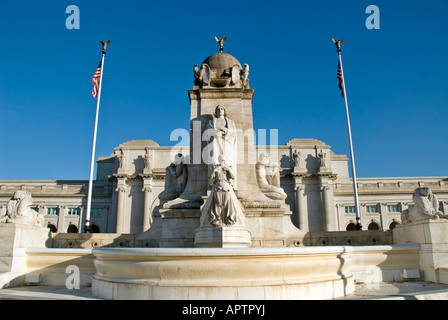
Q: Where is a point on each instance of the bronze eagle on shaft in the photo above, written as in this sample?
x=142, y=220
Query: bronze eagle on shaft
x=337, y=43
x=221, y=42
x=104, y=44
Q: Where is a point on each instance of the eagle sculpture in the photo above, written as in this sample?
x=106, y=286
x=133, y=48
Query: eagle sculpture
x=221, y=42
x=338, y=43
x=104, y=44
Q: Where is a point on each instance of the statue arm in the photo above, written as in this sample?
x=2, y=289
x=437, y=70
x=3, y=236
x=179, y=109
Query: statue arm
x=230, y=174
x=172, y=171
x=179, y=169
x=231, y=129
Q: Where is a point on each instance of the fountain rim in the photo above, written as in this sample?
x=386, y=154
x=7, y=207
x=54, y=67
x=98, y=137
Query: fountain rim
x=220, y=252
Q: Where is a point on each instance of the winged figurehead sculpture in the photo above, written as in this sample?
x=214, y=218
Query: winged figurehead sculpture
x=338, y=44
x=221, y=42
x=104, y=44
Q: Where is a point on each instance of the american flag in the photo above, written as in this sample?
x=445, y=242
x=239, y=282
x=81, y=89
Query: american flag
x=96, y=81
x=341, y=81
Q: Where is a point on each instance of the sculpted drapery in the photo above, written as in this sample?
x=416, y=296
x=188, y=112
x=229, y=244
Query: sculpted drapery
x=221, y=131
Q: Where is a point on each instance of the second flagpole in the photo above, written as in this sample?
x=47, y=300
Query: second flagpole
x=352, y=157
x=87, y=228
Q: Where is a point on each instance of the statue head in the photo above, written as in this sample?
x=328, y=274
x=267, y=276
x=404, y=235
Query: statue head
x=220, y=111
x=178, y=159
x=425, y=191
x=264, y=158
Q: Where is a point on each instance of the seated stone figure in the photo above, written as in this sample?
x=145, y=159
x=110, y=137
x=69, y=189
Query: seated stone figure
x=19, y=211
x=268, y=178
x=175, y=179
x=426, y=206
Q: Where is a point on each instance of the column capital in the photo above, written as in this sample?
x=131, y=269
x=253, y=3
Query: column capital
x=146, y=175
x=121, y=189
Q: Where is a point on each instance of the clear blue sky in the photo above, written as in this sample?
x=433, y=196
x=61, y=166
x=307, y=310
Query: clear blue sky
x=396, y=77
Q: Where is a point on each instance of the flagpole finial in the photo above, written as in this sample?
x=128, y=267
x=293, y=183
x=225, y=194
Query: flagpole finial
x=104, y=44
x=338, y=44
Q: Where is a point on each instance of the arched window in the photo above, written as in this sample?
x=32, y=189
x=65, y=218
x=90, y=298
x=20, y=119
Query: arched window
x=351, y=227
x=52, y=227
x=373, y=226
x=94, y=228
x=393, y=224
x=72, y=229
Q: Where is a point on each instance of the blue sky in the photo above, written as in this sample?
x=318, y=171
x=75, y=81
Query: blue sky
x=396, y=78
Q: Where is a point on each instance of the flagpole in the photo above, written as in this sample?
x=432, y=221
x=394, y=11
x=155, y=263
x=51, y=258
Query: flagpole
x=92, y=159
x=352, y=157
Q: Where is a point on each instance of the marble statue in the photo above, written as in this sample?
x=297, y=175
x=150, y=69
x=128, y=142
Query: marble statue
x=426, y=206
x=122, y=159
x=321, y=158
x=235, y=74
x=223, y=135
x=175, y=179
x=222, y=206
x=268, y=178
x=203, y=76
x=19, y=211
x=245, y=76
x=148, y=159
x=296, y=158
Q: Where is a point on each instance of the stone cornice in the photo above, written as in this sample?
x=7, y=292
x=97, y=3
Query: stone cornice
x=223, y=93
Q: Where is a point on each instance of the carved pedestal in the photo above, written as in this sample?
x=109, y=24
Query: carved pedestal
x=222, y=237
x=14, y=239
x=432, y=235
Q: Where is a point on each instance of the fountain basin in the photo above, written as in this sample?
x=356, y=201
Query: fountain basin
x=222, y=273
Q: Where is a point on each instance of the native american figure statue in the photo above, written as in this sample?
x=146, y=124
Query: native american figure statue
x=426, y=207
x=19, y=210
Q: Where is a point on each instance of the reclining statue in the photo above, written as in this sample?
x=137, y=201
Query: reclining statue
x=426, y=207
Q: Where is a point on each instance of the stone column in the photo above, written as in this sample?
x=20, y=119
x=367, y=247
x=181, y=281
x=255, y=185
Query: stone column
x=384, y=214
x=302, y=219
x=326, y=182
x=327, y=208
x=61, y=226
x=301, y=215
x=122, y=190
x=147, y=214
